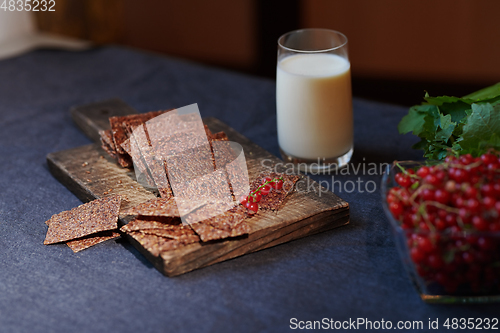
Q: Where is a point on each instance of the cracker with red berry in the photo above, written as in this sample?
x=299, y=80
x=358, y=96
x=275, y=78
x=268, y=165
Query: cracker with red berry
x=269, y=192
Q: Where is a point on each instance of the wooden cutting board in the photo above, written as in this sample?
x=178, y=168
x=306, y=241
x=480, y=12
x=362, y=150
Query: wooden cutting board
x=91, y=174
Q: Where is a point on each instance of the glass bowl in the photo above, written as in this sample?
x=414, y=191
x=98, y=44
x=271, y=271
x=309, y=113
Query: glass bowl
x=462, y=267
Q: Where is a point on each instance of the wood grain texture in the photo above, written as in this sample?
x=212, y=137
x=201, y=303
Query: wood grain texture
x=99, y=21
x=94, y=117
x=90, y=175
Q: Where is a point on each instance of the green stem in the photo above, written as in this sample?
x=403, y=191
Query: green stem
x=252, y=194
x=403, y=170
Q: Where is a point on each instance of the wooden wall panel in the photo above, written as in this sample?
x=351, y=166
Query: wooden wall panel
x=433, y=40
x=95, y=20
x=444, y=40
x=221, y=32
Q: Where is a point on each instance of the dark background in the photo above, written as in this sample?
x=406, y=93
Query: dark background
x=398, y=49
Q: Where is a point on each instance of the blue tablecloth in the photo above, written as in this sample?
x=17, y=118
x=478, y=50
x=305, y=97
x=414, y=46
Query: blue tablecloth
x=344, y=274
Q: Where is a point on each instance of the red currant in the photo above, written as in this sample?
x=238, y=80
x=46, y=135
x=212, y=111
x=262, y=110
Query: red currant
x=486, y=243
x=396, y=208
x=432, y=179
x=255, y=197
x=427, y=194
x=252, y=208
x=459, y=175
x=473, y=205
x=435, y=261
x=243, y=200
x=425, y=245
x=450, y=186
x=450, y=158
x=470, y=192
x=422, y=172
x=441, y=196
x=403, y=180
x=466, y=159
x=440, y=224
x=266, y=179
x=451, y=220
x=488, y=158
x=453, y=205
x=488, y=189
x=488, y=202
x=416, y=255
x=266, y=189
x=479, y=223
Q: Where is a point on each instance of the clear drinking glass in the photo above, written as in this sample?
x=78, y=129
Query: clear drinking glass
x=314, y=100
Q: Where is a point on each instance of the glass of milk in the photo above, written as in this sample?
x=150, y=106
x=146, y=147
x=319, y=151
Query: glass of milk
x=314, y=100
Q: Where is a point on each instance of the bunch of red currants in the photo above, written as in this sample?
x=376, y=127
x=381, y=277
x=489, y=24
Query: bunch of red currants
x=450, y=214
x=267, y=185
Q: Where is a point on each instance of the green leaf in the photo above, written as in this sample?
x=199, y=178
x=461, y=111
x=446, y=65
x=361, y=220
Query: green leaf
x=447, y=126
x=485, y=93
x=456, y=148
x=458, y=129
x=442, y=154
x=431, y=122
x=453, y=125
x=440, y=100
x=456, y=110
x=412, y=122
x=436, y=151
x=482, y=130
x=422, y=144
x=419, y=120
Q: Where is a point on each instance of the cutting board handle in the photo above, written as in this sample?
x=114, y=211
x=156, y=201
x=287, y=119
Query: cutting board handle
x=91, y=118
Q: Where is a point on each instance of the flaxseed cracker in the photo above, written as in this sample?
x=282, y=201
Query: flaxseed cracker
x=140, y=223
x=209, y=210
x=92, y=217
x=155, y=244
x=275, y=198
x=211, y=187
x=138, y=160
x=180, y=232
x=155, y=166
x=229, y=156
x=177, y=143
x=119, y=126
x=164, y=207
x=83, y=243
x=174, y=233
x=190, y=164
x=220, y=136
x=107, y=138
x=107, y=143
x=228, y=224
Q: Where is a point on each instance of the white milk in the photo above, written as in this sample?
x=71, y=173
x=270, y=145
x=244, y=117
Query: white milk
x=314, y=106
